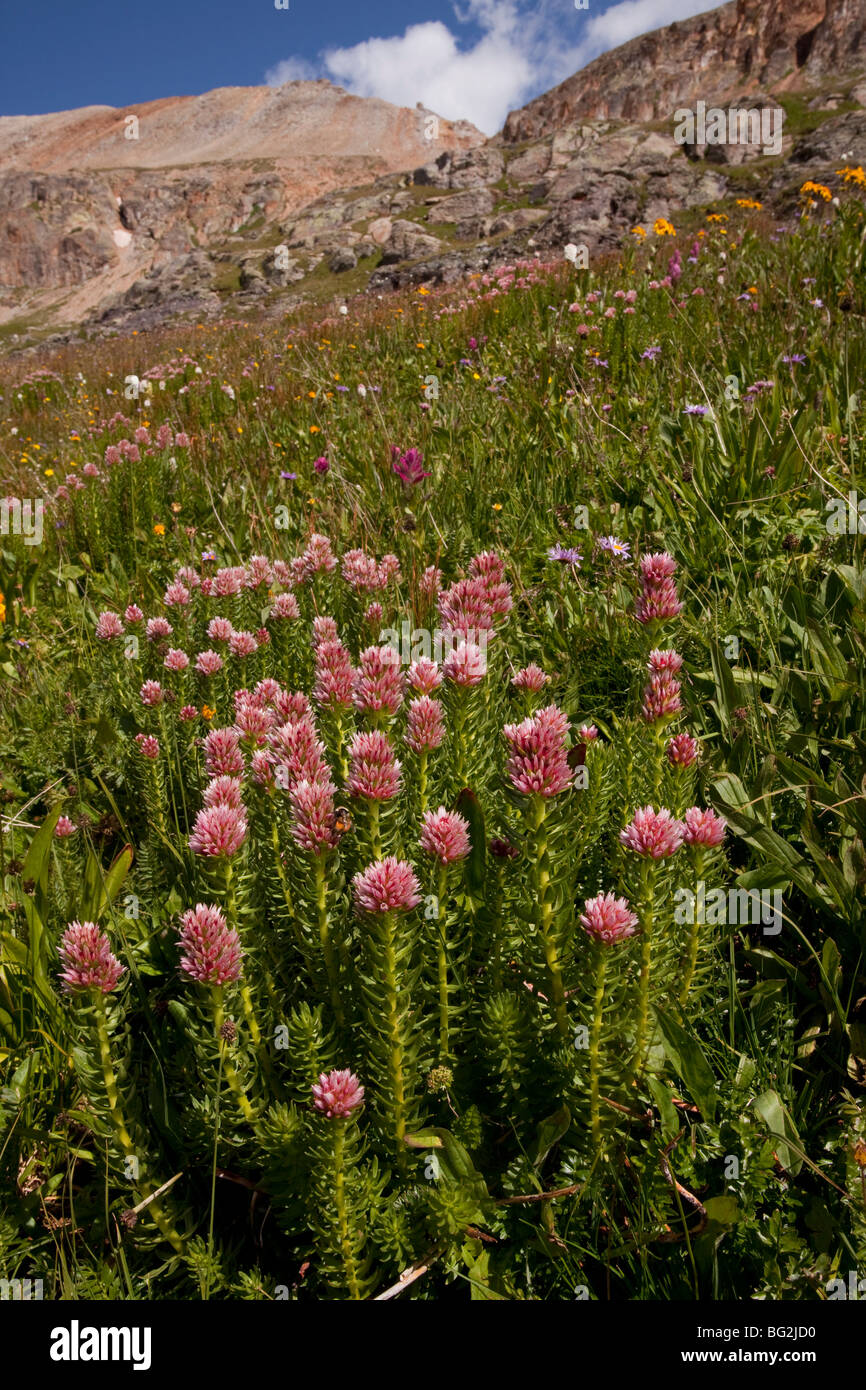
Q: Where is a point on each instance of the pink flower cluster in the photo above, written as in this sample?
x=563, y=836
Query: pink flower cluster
x=374, y=770
x=658, y=599
x=211, y=948
x=538, y=760
x=445, y=835
x=608, y=919
x=379, y=682
x=661, y=696
x=89, y=963
x=387, y=885
x=337, y=1094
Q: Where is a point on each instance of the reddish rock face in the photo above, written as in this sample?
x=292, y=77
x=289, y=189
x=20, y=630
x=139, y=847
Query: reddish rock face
x=172, y=175
x=744, y=47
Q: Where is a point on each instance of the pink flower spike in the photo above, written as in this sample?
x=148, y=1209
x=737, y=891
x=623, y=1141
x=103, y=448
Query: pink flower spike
x=466, y=665
x=108, y=626
x=387, y=885
x=64, y=828
x=379, y=681
x=218, y=831
x=337, y=1094
x=424, y=676
x=682, y=750
x=374, y=771
x=425, y=725
x=212, y=949
x=445, y=835
x=653, y=834
x=660, y=661
x=530, y=678
x=86, y=953
x=223, y=791
x=222, y=754
x=703, y=827
x=608, y=919
x=313, y=808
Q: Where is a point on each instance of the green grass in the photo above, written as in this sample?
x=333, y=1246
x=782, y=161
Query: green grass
x=524, y=430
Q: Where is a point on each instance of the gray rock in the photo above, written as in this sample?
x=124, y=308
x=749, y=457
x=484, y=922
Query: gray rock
x=408, y=242
x=343, y=259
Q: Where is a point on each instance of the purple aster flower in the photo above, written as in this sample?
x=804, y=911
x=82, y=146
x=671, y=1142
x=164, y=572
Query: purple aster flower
x=697, y=410
x=566, y=555
x=620, y=550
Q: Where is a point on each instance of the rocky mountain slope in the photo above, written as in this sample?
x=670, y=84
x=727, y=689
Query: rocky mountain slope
x=93, y=200
x=743, y=48
x=259, y=198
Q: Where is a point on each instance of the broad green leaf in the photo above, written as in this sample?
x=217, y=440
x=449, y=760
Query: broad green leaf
x=782, y=1128
x=684, y=1053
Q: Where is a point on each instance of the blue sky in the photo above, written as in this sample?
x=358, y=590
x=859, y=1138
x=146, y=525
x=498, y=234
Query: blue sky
x=476, y=59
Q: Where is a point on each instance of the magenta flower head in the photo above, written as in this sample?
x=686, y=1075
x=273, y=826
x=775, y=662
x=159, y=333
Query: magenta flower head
x=660, y=661
x=386, y=885
x=409, y=467
x=108, y=626
x=531, y=678
x=219, y=629
x=86, y=953
x=223, y=791
x=424, y=676
x=682, y=750
x=285, y=606
x=218, y=831
x=222, y=754
x=425, y=725
x=211, y=948
x=466, y=665
x=658, y=597
x=208, y=663
x=374, y=771
x=608, y=919
x=157, y=628
x=64, y=828
x=148, y=746
x=243, y=644
x=379, y=681
x=313, y=810
x=324, y=630
x=703, y=827
x=176, y=660
x=335, y=677
x=538, y=761
x=653, y=834
x=337, y=1094
x=445, y=835
x=661, y=698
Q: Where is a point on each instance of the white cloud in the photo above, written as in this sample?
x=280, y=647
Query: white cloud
x=523, y=50
x=291, y=70
x=426, y=65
